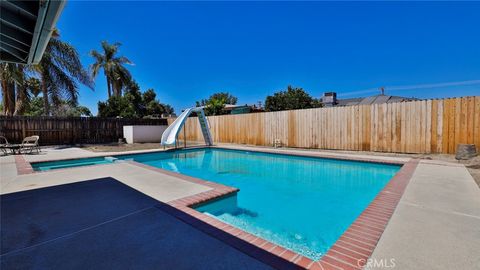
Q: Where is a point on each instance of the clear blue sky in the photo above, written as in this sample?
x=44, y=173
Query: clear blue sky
x=189, y=50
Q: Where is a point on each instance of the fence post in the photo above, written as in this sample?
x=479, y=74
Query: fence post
x=185, y=136
x=24, y=132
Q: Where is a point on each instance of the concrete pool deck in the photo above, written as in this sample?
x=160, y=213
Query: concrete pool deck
x=104, y=224
x=436, y=224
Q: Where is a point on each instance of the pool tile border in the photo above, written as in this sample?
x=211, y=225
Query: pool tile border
x=358, y=242
x=350, y=251
x=217, y=191
x=312, y=154
x=19, y=162
x=260, y=150
x=114, y=154
x=23, y=166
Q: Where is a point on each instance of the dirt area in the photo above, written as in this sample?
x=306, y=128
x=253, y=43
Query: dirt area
x=115, y=147
x=121, y=147
x=473, y=165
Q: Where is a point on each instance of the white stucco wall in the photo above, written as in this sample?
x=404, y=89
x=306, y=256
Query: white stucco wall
x=143, y=134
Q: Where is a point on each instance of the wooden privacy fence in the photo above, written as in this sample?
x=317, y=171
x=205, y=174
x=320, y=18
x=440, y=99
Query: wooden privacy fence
x=427, y=126
x=68, y=130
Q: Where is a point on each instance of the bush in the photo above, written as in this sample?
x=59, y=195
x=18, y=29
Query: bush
x=292, y=99
x=134, y=104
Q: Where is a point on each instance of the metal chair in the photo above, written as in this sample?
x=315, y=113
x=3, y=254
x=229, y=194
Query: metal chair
x=4, y=144
x=29, y=144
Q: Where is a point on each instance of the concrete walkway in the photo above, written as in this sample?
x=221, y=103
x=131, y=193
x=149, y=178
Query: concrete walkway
x=437, y=222
x=162, y=187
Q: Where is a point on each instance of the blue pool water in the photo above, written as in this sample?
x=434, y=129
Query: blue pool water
x=303, y=204
x=53, y=165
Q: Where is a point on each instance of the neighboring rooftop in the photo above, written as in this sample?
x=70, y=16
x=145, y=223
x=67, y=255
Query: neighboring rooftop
x=329, y=99
x=241, y=109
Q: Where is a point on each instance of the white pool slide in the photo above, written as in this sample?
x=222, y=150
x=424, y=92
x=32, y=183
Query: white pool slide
x=170, y=135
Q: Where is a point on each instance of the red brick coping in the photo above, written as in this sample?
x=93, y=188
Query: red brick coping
x=23, y=167
x=313, y=154
x=350, y=251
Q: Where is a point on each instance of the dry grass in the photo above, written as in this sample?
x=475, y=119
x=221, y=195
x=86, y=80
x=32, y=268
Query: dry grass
x=115, y=147
x=122, y=147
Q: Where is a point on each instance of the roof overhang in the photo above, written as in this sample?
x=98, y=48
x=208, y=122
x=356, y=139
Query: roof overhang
x=26, y=28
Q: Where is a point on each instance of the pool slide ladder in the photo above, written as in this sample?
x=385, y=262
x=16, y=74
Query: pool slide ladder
x=170, y=135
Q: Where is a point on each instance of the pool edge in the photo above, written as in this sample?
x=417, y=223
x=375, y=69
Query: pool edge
x=357, y=242
x=321, y=155
x=350, y=251
x=25, y=167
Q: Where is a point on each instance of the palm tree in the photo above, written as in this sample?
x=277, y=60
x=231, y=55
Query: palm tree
x=26, y=88
x=215, y=106
x=60, y=71
x=22, y=92
x=113, y=67
x=10, y=76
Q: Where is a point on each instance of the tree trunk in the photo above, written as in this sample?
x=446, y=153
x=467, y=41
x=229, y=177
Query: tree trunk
x=8, y=89
x=21, y=95
x=10, y=105
x=116, y=90
x=109, y=88
x=21, y=100
x=46, y=107
x=4, y=97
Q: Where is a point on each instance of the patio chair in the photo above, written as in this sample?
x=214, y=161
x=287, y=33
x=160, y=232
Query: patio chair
x=29, y=144
x=4, y=145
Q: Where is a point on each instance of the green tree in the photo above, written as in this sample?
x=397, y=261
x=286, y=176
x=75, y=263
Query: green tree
x=226, y=97
x=153, y=107
x=215, y=104
x=134, y=104
x=113, y=66
x=56, y=76
x=168, y=109
x=116, y=106
x=22, y=93
x=10, y=76
x=292, y=99
x=133, y=95
x=69, y=109
x=60, y=71
x=35, y=107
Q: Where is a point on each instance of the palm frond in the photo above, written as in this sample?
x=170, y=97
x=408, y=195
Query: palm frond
x=62, y=86
x=122, y=60
x=113, y=66
x=66, y=57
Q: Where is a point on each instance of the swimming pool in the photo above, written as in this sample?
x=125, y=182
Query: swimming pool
x=301, y=203
x=62, y=164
